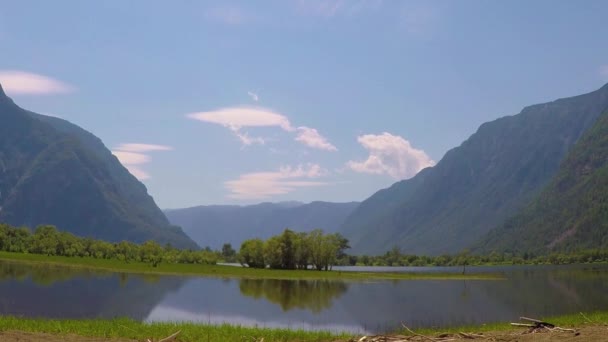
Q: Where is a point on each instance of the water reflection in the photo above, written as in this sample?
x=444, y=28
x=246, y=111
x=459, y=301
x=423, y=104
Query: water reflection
x=64, y=292
x=313, y=295
x=360, y=307
x=45, y=275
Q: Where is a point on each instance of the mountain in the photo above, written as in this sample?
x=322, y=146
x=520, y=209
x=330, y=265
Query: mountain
x=215, y=225
x=477, y=185
x=54, y=172
x=571, y=212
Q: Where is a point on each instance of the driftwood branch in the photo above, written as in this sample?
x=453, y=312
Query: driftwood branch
x=537, y=325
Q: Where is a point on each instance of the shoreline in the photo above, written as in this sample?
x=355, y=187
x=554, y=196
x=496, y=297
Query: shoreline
x=587, y=325
x=222, y=271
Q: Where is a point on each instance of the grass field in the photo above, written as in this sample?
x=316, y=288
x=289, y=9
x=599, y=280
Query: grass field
x=122, y=328
x=130, y=329
x=225, y=271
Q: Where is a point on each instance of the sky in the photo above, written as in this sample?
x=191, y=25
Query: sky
x=240, y=102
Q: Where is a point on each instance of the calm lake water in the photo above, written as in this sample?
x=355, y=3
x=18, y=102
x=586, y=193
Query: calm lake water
x=360, y=307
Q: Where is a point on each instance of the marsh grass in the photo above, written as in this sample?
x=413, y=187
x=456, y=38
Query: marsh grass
x=189, y=332
x=222, y=271
x=130, y=329
x=564, y=321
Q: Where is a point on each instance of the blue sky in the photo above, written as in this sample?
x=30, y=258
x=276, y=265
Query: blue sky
x=212, y=102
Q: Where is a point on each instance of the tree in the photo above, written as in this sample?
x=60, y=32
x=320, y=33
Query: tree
x=251, y=253
x=228, y=253
x=273, y=254
x=151, y=252
x=45, y=240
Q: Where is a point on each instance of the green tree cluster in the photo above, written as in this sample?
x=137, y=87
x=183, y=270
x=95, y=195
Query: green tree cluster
x=47, y=240
x=291, y=250
x=394, y=257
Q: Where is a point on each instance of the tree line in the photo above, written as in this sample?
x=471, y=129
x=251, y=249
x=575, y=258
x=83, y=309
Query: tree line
x=291, y=250
x=395, y=257
x=47, y=240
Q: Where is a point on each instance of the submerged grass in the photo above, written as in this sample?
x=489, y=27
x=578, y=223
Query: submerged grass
x=129, y=329
x=228, y=271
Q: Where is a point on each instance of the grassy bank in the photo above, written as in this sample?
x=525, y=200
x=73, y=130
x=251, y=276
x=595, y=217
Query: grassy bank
x=129, y=329
x=564, y=321
x=224, y=271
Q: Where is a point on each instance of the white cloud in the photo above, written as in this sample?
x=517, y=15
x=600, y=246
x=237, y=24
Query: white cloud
x=332, y=8
x=137, y=172
x=133, y=156
x=228, y=15
x=133, y=147
x=17, y=82
x=260, y=185
x=246, y=140
x=312, y=138
x=392, y=155
x=237, y=117
x=254, y=96
x=604, y=71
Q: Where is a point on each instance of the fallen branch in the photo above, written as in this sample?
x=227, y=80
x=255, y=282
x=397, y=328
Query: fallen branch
x=168, y=338
x=539, y=326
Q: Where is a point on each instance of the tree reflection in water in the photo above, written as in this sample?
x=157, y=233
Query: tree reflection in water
x=313, y=295
x=46, y=275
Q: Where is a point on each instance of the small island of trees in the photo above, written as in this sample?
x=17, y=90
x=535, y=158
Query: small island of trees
x=290, y=250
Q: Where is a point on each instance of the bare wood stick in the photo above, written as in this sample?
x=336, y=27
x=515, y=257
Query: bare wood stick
x=413, y=333
x=531, y=320
x=523, y=325
x=586, y=318
x=170, y=337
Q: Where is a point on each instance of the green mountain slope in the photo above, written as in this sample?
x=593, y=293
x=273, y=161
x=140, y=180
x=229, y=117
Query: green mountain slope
x=215, y=225
x=571, y=212
x=53, y=172
x=477, y=185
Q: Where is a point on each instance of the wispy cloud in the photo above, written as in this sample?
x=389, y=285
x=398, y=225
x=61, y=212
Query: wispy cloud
x=332, y=8
x=237, y=119
x=132, y=147
x=604, y=71
x=133, y=156
x=392, y=155
x=420, y=19
x=16, y=82
x=261, y=185
x=254, y=96
x=228, y=15
x=312, y=138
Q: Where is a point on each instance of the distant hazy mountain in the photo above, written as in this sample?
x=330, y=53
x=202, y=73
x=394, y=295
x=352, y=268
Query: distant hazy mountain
x=215, y=225
x=476, y=186
x=571, y=212
x=54, y=172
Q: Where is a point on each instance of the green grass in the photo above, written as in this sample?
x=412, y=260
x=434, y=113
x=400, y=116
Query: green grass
x=226, y=271
x=130, y=329
x=127, y=328
x=564, y=321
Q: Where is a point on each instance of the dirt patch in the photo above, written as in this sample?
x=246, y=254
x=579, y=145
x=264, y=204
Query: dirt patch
x=588, y=333
x=20, y=336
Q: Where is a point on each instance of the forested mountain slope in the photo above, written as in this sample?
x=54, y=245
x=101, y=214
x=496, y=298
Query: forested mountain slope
x=572, y=212
x=477, y=185
x=54, y=172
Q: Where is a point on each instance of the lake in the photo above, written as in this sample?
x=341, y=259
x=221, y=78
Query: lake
x=359, y=307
